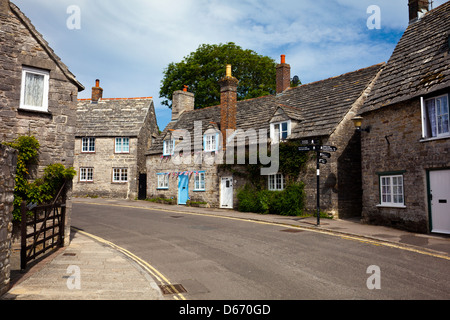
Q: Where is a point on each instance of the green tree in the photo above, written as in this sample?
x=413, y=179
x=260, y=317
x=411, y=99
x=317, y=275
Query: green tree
x=202, y=70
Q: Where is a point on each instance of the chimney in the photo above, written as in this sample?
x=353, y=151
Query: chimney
x=228, y=103
x=283, y=75
x=97, y=92
x=416, y=9
x=182, y=101
x=4, y=7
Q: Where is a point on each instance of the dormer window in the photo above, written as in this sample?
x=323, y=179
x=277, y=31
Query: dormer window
x=168, y=147
x=211, y=142
x=280, y=130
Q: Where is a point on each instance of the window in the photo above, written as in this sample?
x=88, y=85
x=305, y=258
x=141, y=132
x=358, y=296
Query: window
x=276, y=182
x=163, y=181
x=122, y=145
x=168, y=147
x=391, y=190
x=211, y=142
x=199, y=181
x=435, y=117
x=120, y=175
x=86, y=174
x=280, y=130
x=88, y=145
x=34, y=89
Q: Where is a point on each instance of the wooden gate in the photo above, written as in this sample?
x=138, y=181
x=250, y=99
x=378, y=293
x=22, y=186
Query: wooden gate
x=43, y=230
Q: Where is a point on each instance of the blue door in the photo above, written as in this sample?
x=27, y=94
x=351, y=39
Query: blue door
x=183, y=189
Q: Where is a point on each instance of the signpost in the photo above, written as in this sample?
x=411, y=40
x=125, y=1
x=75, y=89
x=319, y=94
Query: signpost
x=321, y=153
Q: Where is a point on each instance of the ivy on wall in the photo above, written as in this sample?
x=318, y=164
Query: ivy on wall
x=41, y=190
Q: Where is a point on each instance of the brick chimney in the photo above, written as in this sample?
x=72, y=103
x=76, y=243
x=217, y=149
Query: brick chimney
x=97, y=92
x=4, y=7
x=228, y=103
x=416, y=7
x=182, y=101
x=283, y=75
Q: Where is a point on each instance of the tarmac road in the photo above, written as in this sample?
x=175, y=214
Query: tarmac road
x=222, y=257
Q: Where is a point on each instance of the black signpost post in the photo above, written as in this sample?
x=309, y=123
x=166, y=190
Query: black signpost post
x=321, y=153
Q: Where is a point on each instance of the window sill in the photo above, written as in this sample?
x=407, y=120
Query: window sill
x=199, y=190
x=162, y=188
x=30, y=110
x=391, y=206
x=434, y=138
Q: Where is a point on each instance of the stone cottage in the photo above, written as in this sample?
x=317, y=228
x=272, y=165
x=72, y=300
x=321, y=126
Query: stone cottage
x=112, y=136
x=405, y=156
x=320, y=110
x=38, y=96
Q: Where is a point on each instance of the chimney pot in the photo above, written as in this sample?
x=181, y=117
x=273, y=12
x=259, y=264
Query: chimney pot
x=97, y=83
x=283, y=58
x=185, y=88
x=228, y=73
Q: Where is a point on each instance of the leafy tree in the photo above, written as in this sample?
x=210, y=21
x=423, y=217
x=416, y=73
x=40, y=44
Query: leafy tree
x=202, y=70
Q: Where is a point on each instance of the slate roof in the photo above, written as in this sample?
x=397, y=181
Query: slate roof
x=323, y=104
x=420, y=63
x=112, y=117
x=40, y=39
x=319, y=107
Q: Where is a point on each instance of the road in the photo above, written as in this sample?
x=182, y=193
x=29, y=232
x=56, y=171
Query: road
x=221, y=259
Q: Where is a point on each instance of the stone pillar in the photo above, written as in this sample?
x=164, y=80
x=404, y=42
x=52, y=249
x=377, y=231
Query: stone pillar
x=8, y=161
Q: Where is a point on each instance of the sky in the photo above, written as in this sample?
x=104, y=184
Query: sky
x=128, y=44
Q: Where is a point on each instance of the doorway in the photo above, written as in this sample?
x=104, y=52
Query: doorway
x=439, y=200
x=226, y=192
x=183, y=189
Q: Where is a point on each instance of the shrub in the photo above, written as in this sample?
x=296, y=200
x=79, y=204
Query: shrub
x=289, y=202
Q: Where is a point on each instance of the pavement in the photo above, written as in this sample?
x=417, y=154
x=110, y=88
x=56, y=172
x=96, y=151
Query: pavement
x=90, y=268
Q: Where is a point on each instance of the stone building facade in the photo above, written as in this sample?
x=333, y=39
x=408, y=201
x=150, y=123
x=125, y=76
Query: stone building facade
x=321, y=110
x=8, y=159
x=405, y=156
x=112, y=136
x=38, y=93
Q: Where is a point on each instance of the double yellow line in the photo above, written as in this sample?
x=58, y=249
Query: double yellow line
x=146, y=266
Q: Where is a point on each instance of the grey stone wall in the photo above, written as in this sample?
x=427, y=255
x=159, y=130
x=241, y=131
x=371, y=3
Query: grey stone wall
x=405, y=151
x=8, y=159
x=54, y=129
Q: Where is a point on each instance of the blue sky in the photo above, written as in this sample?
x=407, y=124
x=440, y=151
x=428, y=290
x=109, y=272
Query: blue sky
x=128, y=44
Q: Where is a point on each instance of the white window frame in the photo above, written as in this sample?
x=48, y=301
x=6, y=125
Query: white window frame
x=390, y=189
x=163, y=181
x=211, y=142
x=276, y=182
x=168, y=147
x=200, y=181
x=39, y=72
x=90, y=143
x=273, y=130
x=426, y=134
x=120, y=144
x=120, y=175
x=86, y=174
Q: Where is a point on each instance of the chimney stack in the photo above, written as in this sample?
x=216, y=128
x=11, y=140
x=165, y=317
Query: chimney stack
x=182, y=101
x=416, y=7
x=4, y=7
x=228, y=103
x=97, y=92
x=283, y=75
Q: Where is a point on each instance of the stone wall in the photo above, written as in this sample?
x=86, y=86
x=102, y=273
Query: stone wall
x=23, y=46
x=8, y=159
x=103, y=161
x=394, y=144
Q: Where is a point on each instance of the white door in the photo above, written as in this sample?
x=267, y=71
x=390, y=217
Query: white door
x=440, y=201
x=226, y=192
